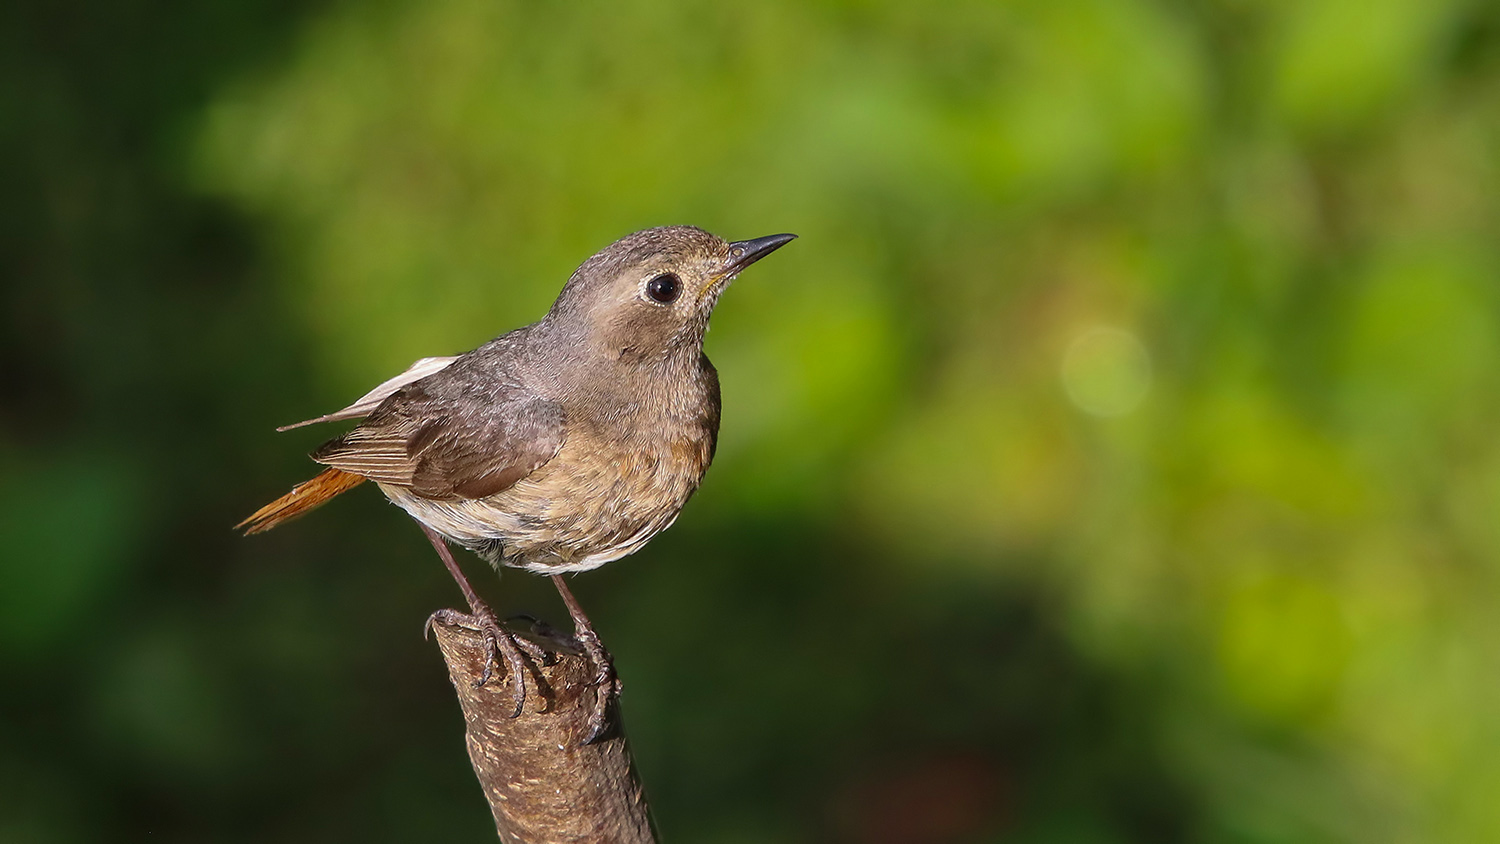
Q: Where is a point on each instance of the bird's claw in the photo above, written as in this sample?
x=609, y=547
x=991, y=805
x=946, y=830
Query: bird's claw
x=498, y=642
x=606, y=683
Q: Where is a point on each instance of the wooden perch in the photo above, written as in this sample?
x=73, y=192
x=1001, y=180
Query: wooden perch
x=544, y=787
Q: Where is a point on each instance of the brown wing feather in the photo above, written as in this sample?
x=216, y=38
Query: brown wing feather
x=452, y=436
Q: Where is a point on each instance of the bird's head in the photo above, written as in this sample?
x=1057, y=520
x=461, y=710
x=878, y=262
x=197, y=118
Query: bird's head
x=649, y=295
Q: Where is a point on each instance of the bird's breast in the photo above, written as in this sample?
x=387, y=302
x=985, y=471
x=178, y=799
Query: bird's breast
x=615, y=484
x=602, y=496
x=621, y=476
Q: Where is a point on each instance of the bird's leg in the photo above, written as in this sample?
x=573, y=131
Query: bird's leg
x=605, y=679
x=497, y=640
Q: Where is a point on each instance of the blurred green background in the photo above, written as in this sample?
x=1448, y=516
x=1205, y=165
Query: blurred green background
x=1113, y=459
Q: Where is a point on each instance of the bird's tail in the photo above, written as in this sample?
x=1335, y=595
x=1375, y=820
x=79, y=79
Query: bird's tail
x=303, y=497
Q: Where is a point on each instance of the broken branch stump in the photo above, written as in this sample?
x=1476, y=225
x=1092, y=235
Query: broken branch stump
x=543, y=786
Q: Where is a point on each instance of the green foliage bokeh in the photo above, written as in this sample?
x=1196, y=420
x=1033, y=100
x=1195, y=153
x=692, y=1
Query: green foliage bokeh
x=1112, y=458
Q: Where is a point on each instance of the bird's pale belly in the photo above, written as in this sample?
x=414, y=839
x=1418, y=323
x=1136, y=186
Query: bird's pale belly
x=596, y=501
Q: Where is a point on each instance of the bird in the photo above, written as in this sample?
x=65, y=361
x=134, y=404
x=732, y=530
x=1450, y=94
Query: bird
x=558, y=446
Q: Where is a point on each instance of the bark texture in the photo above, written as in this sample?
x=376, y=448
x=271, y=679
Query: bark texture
x=543, y=786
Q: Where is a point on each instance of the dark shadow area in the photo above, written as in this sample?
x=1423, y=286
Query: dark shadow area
x=164, y=679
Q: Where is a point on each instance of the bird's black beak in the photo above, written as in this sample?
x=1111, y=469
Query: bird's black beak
x=743, y=253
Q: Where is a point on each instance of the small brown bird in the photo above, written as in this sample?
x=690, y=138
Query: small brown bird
x=561, y=445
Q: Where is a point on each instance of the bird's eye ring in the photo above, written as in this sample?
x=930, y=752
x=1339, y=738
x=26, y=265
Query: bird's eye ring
x=664, y=288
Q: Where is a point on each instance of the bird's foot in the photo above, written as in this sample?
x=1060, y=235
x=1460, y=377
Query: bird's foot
x=498, y=643
x=607, y=684
x=540, y=640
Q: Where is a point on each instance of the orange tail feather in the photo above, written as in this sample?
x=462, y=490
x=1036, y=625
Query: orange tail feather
x=303, y=497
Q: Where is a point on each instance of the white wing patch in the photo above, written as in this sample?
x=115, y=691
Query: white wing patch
x=369, y=401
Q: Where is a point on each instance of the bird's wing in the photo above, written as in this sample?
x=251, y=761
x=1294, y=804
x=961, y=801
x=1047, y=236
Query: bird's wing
x=452, y=437
x=369, y=401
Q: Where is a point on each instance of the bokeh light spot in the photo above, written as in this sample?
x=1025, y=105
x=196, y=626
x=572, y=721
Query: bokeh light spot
x=1106, y=371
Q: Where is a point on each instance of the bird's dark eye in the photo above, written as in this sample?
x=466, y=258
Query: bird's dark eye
x=664, y=288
